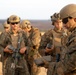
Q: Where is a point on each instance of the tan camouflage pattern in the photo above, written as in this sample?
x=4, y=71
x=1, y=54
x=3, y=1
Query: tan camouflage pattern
x=55, y=37
x=34, y=37
x=6, y=24
x=34, y=42
x=25, y=24
x=14, y=18
x=55, y=17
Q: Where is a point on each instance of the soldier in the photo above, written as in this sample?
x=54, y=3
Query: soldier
x=67, y=66
x=54, y=37
x=6, y=27
x=6, y=30
x=34, y=38
x=15, y=63
x=27, y=28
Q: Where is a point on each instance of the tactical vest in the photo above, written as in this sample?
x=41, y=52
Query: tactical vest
x=56, y=38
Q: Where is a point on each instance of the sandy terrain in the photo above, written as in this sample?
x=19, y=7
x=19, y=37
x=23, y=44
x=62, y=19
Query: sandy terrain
x=0, y=68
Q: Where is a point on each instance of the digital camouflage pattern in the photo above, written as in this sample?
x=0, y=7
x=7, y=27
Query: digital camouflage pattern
x=25, y=24
x=6, y=24
x=14, y=18
x=67, y=66
x=6, y=39
x=54, y=37
x=33, y=43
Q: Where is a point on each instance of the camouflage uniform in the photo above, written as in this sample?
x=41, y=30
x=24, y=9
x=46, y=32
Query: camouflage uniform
x=67, y=65
x=33, y=43
x=54, y=36
x=8, y=39
x=5, y=32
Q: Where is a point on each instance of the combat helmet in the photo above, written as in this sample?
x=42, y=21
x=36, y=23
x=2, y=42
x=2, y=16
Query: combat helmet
x=55, y=17
x=6, y=24
x=14, y=18
x=8, y=21
x=25, y=23
x=68, y=11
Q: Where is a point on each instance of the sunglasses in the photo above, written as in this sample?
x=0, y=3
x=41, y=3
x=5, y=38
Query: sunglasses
x=27, y=23
x=65, y=20
x=13, y=23
x=6, y=27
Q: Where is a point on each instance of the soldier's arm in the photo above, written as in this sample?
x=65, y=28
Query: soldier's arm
x=45, y=39
x=3, y=43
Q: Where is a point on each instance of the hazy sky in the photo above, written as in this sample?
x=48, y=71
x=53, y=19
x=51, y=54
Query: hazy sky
x=31, y=9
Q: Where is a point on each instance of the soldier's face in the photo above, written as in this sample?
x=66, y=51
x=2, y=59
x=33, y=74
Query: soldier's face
x=7, y=29
x=58, y=24
x=15, y=25
x=70, y=23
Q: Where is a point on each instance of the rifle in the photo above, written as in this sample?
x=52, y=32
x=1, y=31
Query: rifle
x=43, y=60
x=16, y=56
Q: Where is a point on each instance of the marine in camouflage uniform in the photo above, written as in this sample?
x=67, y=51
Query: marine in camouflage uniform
x=12, y=39
x=26, y=26
x=67, y=66
x=54, y=37
x=6, y=28
x=34, y=38
x=34, y=42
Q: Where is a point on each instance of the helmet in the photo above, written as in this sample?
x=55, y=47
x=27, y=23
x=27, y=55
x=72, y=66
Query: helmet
x=14, y=18
x=6, y=24
x=25, y=23
x=55, y=16
x=8, y=21
x=68, y=11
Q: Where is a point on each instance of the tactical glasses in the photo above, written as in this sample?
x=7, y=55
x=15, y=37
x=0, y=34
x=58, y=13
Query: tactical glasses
x=6, y=27
x=65, y=20
x=13, y=23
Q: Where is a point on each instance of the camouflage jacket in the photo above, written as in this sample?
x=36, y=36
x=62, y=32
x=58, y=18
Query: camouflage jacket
x=34, y=37
x=6, y=39
x=53, y=36
x=69, y=60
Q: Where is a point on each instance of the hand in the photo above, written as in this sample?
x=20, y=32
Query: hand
x=8, y=50
x=22, y=50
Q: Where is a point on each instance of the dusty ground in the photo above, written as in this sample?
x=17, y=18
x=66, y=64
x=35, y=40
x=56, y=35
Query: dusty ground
x=0, y=68
x=42, y=33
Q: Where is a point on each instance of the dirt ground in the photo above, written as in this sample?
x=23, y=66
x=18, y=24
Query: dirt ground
x=0, y=68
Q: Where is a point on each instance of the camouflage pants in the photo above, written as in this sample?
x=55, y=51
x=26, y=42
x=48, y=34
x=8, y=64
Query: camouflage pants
x=35, y=70
x=18, y=71
x=64, y=67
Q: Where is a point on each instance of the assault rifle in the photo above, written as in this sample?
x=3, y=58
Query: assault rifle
x=16, y=56
x=44, y=60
